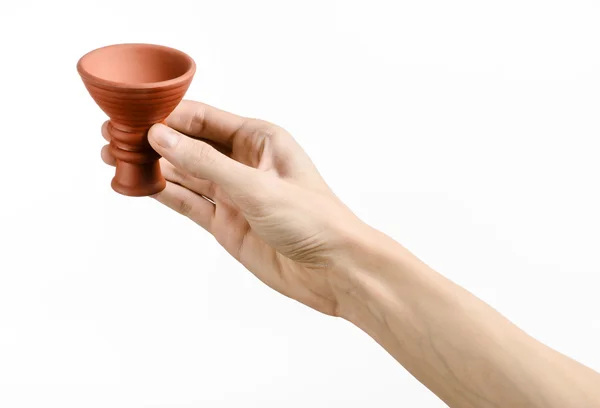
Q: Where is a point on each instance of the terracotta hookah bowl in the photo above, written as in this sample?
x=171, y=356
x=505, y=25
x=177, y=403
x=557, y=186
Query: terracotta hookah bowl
x=136, y=85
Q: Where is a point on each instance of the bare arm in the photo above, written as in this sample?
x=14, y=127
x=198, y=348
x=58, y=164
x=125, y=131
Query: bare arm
x=463, y=350
x=270, y=209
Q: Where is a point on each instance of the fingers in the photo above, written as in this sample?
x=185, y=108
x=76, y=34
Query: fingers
x=171, y=173
x=105, y=133
x=188, y=204
x=178, y=194
x=199, y=120
x=105, y=153
x=176, y=176
x=201, y=160
x=107, y=156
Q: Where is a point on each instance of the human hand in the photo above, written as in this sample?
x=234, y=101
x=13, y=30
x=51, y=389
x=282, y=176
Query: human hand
x=250, y=185
x=253, y=188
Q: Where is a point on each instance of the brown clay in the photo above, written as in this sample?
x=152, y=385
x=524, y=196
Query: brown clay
x=136, y=85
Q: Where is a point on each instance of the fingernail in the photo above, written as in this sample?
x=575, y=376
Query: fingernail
x=164, y=136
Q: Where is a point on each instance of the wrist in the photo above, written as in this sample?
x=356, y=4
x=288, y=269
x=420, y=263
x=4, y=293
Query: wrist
x=372, y=270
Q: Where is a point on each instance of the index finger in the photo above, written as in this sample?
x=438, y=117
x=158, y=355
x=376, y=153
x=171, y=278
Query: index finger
x=203, y=121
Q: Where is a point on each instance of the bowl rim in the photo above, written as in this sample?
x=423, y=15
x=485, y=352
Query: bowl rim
x=186, y=76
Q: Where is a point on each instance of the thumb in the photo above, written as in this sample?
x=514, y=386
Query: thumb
x=200, y=159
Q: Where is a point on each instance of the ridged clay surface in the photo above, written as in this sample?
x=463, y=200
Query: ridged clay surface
x=136, y=85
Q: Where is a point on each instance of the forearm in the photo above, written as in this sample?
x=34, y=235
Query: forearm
x=459, y=347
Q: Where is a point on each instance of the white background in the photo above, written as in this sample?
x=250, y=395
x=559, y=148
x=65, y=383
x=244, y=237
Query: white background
x=467, y=130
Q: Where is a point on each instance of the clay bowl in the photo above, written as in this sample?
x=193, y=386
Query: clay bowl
x=136, y=85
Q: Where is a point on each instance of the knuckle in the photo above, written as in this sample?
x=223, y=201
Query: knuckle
x=184, y=207
x=198, y=156
x=204, y=154
x=197, y=121
x=177, y=176
x=264, y=129
x=275, y=134
x=212, y=190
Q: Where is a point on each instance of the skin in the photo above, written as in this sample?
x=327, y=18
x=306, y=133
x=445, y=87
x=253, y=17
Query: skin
x=249, y=184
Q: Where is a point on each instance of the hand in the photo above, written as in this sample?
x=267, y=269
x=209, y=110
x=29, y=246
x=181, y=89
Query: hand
x=250, y=185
